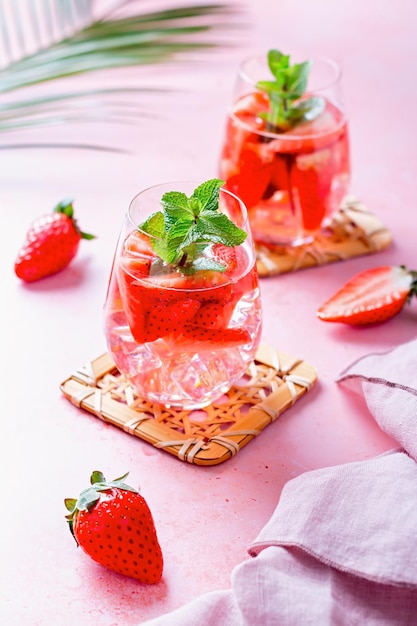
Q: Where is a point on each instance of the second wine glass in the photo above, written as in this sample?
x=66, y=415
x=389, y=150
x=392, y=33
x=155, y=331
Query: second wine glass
x=286, y=146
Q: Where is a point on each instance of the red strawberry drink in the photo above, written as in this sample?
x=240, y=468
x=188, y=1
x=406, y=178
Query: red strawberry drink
x=183, y=313
x=286, y=147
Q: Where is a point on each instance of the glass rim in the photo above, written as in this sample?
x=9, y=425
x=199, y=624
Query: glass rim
x=243, y=207
x=286, y=136
x=322, y=58
x=192, y=184
x=293, y=136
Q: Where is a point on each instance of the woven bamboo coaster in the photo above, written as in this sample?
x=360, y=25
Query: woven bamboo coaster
x=272, y=384
x=354, y=231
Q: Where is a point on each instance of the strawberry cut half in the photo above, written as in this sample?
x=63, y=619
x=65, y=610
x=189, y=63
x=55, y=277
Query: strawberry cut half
x=225, y=255
x=164, y=319
x=213, y=315
x=203, y=285
x=197, y=339
x=313, y=175
x=160, y=319
x=252, y=180
x=371, y=297
x=139, y=244
x=164, y=304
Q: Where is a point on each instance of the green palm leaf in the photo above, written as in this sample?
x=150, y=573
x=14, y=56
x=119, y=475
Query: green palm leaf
x=110, y=42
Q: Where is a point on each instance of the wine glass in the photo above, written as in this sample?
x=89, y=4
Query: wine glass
x=182, y=338
x=292, y=173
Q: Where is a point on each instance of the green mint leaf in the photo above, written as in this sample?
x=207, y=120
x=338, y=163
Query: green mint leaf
x=278, y=62
x=178, y=237
x=176, y=206
x=285, y=93
x=310, y=108
x=204, y=263
x=297, y=79
x=192, y=237
x=187, y=225
x=161, y=249
x=218, y=228
x=270, y=87
x=180, y=230
x=208, y=194
x=154, y=225
x=175, y=200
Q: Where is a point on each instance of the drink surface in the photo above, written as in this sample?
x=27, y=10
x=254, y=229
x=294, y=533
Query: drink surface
x=290, y=182
x=182, y=340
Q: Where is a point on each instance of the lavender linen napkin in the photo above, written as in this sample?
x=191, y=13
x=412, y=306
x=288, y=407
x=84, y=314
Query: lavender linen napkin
x=341, y=546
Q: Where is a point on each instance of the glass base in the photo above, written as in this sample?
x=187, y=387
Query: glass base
x=186, y=381
x=276, y=225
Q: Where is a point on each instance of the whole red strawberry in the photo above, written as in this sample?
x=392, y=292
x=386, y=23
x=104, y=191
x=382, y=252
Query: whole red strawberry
x=113, y=524
x=51, y=243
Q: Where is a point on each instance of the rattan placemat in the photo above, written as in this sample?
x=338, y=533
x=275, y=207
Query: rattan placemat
x=272, y=384
x=354, y=231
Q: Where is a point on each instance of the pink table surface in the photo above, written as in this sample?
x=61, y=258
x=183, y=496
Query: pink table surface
x=205, y=517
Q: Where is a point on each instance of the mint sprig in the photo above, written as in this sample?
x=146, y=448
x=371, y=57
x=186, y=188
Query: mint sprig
x=187, y=225
x=288, y=108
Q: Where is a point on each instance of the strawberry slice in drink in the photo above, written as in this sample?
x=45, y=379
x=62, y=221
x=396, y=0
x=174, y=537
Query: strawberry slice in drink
x=164, y=319
x=139, y=254
x=252, y=180
x=241, y=130
x=213, y=314
x=152, y=315
x=138, y=243
x=203, y=285
x=150, y=318
x=157, y=306
x=197, y=339
x=225, y=255
x=312, y=175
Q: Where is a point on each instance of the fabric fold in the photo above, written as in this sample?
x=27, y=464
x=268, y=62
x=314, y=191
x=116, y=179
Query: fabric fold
x=340, y=548
x=360, y=518
x=389, y=385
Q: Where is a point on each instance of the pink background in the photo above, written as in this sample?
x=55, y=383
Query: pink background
x=205, y=517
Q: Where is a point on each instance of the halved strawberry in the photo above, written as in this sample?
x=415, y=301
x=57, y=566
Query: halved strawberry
x=138, y=254
x=203, y=285
x=139, y=243
x=163, y=304
x=282, y=165
x=225, y=255
x=312, y=175
x=149, y=321
x=213, y=314
x=321, y=132
x=252, y=180
x=138, y=266
x=252, y=105
x=241, y=129
x=163, y=319
x=196, y=339
x=371, y=297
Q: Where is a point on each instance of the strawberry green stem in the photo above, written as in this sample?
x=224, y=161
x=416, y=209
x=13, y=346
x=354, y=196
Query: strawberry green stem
x=66, y=207
x=413, y=287
x=90, y=496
